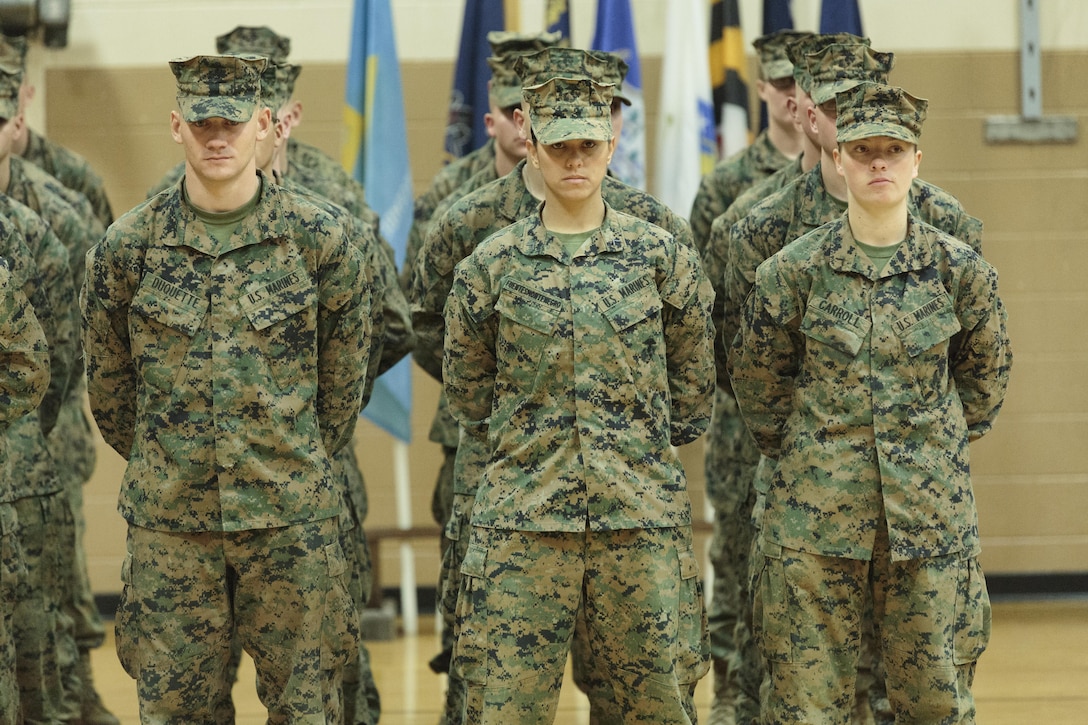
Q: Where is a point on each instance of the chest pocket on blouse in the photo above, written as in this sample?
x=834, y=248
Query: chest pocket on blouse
x=634, y=313
x=529, y=320
x=925, y=334
x=164, y=319
x=283, y=314
x=835, y=327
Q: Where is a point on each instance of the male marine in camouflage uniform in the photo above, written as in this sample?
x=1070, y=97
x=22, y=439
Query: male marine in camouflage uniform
x=581, y=357
x=309, y=165
x=391, y=341
x=716, y=247
x=65, y=165
x=504, y=91
x=43, y=624
x=304, y=163
x=34, y=163
x=732, y=456
x=503, y=150
x=505, y=130
x=871, y=351
x=773, y=148
x=24, y=355
x=227, y=328
x=469, y=221
x=728, y=473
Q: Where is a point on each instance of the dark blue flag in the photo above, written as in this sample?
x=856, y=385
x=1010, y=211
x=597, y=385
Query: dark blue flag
x=465, y=130
x=840, y=16
x=776, y=16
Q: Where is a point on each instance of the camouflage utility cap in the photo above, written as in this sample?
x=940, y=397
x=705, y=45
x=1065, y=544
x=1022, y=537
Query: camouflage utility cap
x=218, y=86
x=798, y=48
x=13, y=51
x=278, y=83
x=614, y=73
x=506, y=46
x=840, y=67
x=876, y=109
x=11, y=79
x=570, y=108
x=774, y=62
x=560, y=62
x=258, y=41
x=508, y=42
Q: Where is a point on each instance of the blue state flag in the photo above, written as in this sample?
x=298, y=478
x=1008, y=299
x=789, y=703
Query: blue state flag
x=557, y=19
x=615, y=33
x=376, y=154
x=840, y=16
x=465, y=129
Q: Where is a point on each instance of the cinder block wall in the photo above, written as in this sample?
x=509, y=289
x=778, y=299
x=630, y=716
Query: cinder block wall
x=1031, y=473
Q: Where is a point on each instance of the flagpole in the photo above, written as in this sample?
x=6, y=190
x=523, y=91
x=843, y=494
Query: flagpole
x=409, y=607
x=376, y=154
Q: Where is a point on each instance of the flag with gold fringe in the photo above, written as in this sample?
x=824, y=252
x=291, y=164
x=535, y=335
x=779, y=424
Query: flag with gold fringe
x=686, y=143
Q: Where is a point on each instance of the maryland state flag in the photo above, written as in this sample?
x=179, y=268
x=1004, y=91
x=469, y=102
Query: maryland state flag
x=728, y=78
x=465, y=130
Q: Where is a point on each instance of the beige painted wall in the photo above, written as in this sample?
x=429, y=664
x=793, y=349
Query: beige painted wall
x=109, y=95
x=1031, y=473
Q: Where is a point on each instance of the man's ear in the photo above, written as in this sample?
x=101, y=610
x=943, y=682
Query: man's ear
x=264, y=122
x=175, y=126
x=294, y=113
x=19, y=126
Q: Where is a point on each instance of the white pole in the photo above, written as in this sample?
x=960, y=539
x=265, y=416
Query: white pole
x=408, y=604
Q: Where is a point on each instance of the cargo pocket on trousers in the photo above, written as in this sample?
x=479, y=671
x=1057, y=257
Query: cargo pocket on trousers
x=473, y=621
x=340, y=626
x=457, y=528
x=973, y=617
x=126, y=623
x=693, y=635
x=771, y=620
x=13, y=572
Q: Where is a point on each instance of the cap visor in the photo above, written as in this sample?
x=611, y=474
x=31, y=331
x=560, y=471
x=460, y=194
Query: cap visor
x=201, y=108
x=565, y=129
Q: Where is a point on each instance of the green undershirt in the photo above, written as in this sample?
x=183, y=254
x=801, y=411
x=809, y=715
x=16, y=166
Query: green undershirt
x=221, y=225
x=574, y=241
x=879, y=256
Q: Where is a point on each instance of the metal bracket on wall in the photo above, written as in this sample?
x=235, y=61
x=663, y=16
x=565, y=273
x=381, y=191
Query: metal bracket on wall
x=1030, y=126
x=23, y=17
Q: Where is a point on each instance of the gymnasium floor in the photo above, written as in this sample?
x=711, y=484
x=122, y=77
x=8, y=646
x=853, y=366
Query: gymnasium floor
x=1035, y=671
